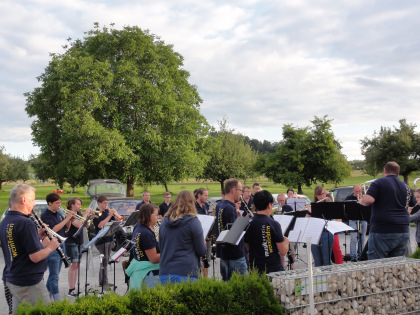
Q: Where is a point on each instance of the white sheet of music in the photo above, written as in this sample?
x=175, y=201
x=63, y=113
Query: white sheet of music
x=284, y=221
x=221, y=236
x=337, y=227
x=206, y=223
x=305, y=227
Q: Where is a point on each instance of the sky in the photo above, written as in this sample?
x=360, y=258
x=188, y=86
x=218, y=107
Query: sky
x=261, y=64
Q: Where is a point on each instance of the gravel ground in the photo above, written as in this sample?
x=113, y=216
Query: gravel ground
x=93, y=270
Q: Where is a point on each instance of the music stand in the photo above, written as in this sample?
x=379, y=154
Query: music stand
x=132, y=219
x=87, y=247
x=80, y=230
x=234, y=235
x=296, y=204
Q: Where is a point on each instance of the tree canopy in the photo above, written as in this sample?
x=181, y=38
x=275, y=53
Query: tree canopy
x=12, y=168
x=117, y=104
x=400, y=144
x=305, y=156
x=229, y=156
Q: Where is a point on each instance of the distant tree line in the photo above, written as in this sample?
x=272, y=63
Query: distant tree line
x=12, y=168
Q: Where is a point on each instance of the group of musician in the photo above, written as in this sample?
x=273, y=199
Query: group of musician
x=177, y=252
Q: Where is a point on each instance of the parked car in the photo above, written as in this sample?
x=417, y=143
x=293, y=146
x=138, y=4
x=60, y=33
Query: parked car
x=340, y=193
x=40, y=207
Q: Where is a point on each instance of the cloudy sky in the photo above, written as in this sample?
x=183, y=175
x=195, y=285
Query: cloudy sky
x=261, y=64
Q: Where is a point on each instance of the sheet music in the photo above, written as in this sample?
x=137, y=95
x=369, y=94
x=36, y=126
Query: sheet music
x=312, y=227
x=100, y=233
x=206, y=223
x=221, y=236
x=284, y=221
x=337, y=227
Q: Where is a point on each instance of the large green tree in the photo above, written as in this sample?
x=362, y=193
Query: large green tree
x=229, y=156
x=305, y=156
x=118, y=104
x=400, y=144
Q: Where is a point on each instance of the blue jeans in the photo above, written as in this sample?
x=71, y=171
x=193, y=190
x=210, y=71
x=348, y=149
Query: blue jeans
x=227, y=267
x=383, y=245
x=54, y=267
x=175, y=279
x=322, y=252
x=357, y=239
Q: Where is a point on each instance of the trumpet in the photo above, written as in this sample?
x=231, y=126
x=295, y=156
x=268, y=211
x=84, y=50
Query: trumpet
x=81, y=220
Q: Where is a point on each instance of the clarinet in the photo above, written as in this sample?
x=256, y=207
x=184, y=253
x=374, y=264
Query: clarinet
x=39, y=222
x=249, y=212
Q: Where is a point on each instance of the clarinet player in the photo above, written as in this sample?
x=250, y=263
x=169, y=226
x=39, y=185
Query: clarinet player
x=25, y=249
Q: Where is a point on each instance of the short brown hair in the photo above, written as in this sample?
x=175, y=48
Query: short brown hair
x=199, y=191
x=231, y=184
x=392, y=168
x=101, y=199
x=167, y=193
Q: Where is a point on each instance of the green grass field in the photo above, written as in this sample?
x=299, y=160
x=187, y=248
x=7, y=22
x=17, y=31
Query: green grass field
x=157, y=191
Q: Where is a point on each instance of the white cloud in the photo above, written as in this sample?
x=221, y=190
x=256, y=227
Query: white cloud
x=260, y=63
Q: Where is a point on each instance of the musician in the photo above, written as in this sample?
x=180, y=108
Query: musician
x=164, y=206
x=290, y=193
x=389, y=222
x=247, y=199
x=144, y=268
x=201, y=196
x=415, y=215
x=181, y=241
x=55, y=221
x=255, y=188
x=232, y=257
x=356, y=239
x=25, y=249
x=264, y=238
x=283, y=207
x=146, y=199
x=104, y=244
x=322, y=253
x=72, y=244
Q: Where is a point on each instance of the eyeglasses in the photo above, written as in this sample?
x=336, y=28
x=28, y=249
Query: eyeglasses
x=155, y=215
x=239, y=189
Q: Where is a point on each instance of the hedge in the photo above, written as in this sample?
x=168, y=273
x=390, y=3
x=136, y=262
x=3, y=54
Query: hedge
x=252, y=294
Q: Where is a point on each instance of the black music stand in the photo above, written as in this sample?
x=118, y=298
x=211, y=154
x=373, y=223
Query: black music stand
x=132, y=219
x=235, y=233
x=295, y=214
x=100, y=234
x=113, y=226
x=81, y=250
x=296, y=204
x=356, y=211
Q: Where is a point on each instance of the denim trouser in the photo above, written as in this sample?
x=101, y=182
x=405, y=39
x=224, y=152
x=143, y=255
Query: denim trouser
x=54, y=268
x=322, y=252
x=357, y=239
x=227, y=267
x=175, y=279
x=383, y=245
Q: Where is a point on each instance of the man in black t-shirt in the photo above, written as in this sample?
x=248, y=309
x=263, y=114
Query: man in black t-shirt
x=264, y=239
x=24, y=249
x=164, y=206
x=201, y=195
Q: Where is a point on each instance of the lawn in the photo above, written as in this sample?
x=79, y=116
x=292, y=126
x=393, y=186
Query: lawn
x=157, y=190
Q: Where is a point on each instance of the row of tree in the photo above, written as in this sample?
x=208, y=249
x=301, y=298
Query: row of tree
x=118, y=104
x=12, y=168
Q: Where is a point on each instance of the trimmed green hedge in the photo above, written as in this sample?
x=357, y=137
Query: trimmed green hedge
x=416, y=254
x=251, y=294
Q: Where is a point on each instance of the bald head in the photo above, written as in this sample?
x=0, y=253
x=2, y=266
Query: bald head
x=357, y=191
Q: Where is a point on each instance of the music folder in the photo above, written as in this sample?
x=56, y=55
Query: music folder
x=132, y=219
x=235, y=233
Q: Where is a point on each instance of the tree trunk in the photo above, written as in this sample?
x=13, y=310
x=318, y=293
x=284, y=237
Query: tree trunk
x=166, y=187
x=73, y=190
x=300, y=191
x=406, y=179
x=221, y=186
x=130, y=186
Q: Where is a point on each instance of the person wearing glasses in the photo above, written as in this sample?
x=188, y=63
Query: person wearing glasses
x=144, y=268
x=232, y=257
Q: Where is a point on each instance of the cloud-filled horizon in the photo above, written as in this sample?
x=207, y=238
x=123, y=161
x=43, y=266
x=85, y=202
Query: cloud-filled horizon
x=262, y=64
